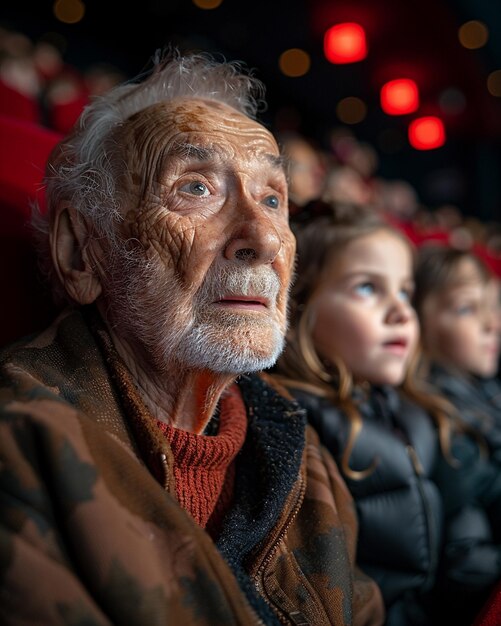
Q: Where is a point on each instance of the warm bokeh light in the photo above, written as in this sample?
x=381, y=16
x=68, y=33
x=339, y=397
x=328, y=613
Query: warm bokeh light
x=294, y=62
x=494, y=83
x=399, y=96
x=426, y=133
x=473, y=34
x=351, y=110
x=345, y=43
x=207, y=4
x=69, y=11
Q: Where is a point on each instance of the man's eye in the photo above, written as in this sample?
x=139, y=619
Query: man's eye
x=196, y=188
x=272, y=201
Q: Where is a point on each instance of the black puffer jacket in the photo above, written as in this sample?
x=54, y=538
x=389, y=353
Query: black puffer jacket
x=471, y=563
x=399, y=506
x=478, y=401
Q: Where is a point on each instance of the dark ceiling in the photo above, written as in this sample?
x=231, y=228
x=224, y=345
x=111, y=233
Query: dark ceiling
x=406, y=38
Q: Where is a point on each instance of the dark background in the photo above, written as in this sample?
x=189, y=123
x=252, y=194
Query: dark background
x=406, y=38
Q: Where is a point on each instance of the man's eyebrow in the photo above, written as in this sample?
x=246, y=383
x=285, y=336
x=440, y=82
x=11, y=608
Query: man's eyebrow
x=191, y=151
x=187, y=151
x=277, y=162
x=286, y=164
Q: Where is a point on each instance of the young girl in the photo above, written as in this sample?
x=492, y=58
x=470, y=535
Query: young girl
x=352, y=344
x=458, y=302
x=457, y=299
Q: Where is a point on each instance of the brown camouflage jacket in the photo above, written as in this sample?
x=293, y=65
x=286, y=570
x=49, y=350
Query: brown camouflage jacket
x=91, y=533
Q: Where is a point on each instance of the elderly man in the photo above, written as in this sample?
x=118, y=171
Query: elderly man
x=140, y=483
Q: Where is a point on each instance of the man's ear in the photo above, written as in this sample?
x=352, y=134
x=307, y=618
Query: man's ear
x=70, y=255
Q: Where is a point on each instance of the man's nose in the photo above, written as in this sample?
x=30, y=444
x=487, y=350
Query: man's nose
x=254, y=240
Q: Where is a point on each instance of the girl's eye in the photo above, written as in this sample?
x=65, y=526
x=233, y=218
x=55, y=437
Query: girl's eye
x=365, y=289
x=272, y=201
x=196, y=188
x=464, y=309
x=405, y=295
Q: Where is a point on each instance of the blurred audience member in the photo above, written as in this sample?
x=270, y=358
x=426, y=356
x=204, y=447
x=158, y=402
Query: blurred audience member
x=397, y=198
x=344, y=184
x=457, y=299
x=458, y=302
x=348, y=150
x=19, y=79
x=37, y=85
x=306, y=170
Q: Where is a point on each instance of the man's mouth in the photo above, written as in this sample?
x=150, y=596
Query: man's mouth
x=246, y=303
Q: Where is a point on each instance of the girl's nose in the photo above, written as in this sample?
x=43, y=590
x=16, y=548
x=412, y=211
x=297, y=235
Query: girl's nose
x=400, y=311
x=492, y=319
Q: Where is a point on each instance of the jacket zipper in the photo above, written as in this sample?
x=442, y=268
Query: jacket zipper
x=165, y=467
x=276, y=542
x=419, y=472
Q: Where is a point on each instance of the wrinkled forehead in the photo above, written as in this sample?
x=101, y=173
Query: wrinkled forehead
x=167, y=127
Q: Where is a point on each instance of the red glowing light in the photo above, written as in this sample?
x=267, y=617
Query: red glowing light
x=345, y=43
x=399, y=96
x=426, y=133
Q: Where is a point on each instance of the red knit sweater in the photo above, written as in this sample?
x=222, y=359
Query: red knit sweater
x=204, y=469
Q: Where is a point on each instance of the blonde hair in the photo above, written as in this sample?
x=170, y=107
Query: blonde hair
x=300, y=366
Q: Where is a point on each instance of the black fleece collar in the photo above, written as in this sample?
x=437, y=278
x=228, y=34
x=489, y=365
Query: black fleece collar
x=267, y=468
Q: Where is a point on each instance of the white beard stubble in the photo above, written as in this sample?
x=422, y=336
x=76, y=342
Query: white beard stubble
x=174, y=329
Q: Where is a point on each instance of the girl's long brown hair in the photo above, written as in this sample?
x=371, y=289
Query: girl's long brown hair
x=300, y=366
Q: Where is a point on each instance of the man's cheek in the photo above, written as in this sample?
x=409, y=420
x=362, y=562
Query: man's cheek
x=288, y=252
x=174, y=246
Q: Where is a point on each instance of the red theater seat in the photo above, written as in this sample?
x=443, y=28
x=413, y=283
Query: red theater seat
x=492, y=260
x=26, y=305
x=17, y=105
x=490, y=615
x=64, y=116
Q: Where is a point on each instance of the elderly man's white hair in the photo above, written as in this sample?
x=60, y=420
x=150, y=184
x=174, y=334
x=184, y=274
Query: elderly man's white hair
x=84, y=169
